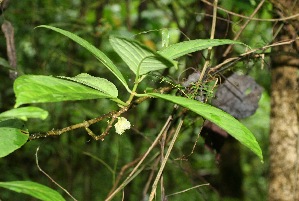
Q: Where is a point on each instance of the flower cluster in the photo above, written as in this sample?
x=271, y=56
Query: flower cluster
x=122, y=125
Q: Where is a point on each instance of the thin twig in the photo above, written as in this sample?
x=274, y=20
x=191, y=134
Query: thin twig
x=213, y=28
x=134, y=171
x=165, y=127
x=218, y=18
x=188, y=189
x=228, y=49
x=154, y=186
x=39, y=168
x=162, y=142
x=100, y=160
x=150, y=178
x=87, y=123
x=255, y=19
x=233, y=59
x=121, y=173
x=193, y=148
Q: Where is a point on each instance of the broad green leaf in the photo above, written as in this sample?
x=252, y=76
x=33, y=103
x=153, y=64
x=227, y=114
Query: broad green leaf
x=135, y=54
x=96, y=52
x=11, y=139
x=33, y=189
x=24, y=113
x=12, y=123
x=41, y=89
x=97, y=83
x=179, y=49
x=219, y=117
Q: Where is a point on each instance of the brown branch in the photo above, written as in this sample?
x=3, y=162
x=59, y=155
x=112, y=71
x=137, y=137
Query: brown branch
x=150, y=178
x=251, y=53
x=253, y=19
x=135, y=170
x=57, y=184
x=228, y=49
x=8, y=31
x=122, y=172
x=209, y=56
x=3, y=5
x=154, y=186
x=106, y=132
x=86, y=124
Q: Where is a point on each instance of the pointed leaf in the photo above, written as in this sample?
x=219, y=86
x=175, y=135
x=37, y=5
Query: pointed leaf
x=179, y=49
x=24, y=113
x=5, y=64
x=11, y=139
x=220, y=118
x=41, y=89
x=135, y=54
x=97, y=83
x=96, y=52
x=34, y=189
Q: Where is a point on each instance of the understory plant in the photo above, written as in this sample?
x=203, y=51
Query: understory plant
x=141, y=61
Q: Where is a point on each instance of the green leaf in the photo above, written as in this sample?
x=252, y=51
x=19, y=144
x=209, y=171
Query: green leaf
x=96, y=52
x=5, y=63
x=24, y=113
x=137, y=55
x=220, y=118
x=33, y=189
x=97, y=83
x=12, y=123
x=11, y=139
x=179, y=49
x=40, y=89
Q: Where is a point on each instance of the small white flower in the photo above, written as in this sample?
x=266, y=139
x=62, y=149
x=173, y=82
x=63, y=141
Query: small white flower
x=122, y=125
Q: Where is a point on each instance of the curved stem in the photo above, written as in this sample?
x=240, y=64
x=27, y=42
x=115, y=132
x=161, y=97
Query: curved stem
x=138, y=79
x=119, y=102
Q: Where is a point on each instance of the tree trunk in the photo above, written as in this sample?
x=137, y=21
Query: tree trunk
x=284, y=125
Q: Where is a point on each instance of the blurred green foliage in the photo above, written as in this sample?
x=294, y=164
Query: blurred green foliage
x=74, y=160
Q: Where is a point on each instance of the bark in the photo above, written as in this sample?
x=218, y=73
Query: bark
x=284, y=125
x=8, y=31
x=3, y=6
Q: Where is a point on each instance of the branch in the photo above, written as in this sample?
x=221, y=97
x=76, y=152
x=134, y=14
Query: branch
x=8, y=31
x=86, y=124
x=154, y=186
x=207, y=63
x=57, y=184
x=242, y=28
x=135, y=170
x=251, y=52
x=254, y=19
